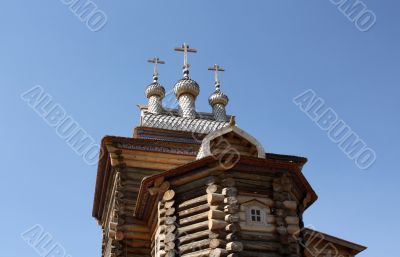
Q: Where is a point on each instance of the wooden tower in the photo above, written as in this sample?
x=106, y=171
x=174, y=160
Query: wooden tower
x=193, y=184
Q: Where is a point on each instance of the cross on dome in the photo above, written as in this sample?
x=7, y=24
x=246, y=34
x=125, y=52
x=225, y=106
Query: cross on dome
x=156, y=60
x=185, y=49
x=216, y=68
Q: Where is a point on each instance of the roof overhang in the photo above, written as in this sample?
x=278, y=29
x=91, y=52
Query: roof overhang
x=351, y=247
x=284, y=162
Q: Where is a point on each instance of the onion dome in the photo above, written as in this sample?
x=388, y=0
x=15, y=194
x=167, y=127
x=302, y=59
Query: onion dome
x=155, y=89
x=218, y=98
x=186, y=86
x=155, y=92
x=186, y=90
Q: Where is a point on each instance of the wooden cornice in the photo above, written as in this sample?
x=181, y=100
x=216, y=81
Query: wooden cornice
x=112, y=144
x=353, y=248
x=211, y=163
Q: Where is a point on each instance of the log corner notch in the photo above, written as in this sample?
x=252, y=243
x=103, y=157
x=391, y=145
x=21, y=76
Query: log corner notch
x=234, y=246
x=216, y=220
x=167, y=225
x=160, y=186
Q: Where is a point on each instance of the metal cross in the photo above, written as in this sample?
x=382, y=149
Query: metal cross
x=156, y=61
x=216, y=68
x=185, y=49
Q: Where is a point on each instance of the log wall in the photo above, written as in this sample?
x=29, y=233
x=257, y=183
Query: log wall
x=206, y=216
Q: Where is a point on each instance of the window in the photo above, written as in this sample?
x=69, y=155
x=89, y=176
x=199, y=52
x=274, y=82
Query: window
x=255, y=215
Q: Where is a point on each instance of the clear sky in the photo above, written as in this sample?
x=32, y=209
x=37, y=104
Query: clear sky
x=272, y=52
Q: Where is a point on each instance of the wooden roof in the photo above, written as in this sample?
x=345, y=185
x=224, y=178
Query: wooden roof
x=351, y=247
x=284, y=162
x=133, y=151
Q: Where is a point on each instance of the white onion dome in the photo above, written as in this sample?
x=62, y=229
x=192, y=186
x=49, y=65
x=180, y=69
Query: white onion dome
x=186, y=86
x=218, y=98
x=155, y=89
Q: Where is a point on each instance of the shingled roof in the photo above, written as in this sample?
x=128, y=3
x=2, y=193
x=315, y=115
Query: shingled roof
x=171, y=120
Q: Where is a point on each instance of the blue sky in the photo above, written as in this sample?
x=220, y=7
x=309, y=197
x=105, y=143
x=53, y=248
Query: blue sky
x=272, y=52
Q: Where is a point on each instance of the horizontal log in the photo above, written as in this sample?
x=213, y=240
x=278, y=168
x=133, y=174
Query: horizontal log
x=192, y=228
x=136, y=235
x=193, y=219
x=216, y=214
x=261, y=246
x=134, y=228
x=193, y=236
x=191, y=176
x=252, y=182
x=215, y=198
x=243, y=199
x=231, y=218
x=228, y=182
x=194, y=246
x=218, y=252
x=217, y=243
x=291, y=205
x=259, y=236
x=233, y=237
x=127, y=158
x=293, y=229
x=137, y=250
x=259, y=254
x=217, y=234
x=234, y=255
x=232, y=208
x=201, y=253
x=148, y=165
x=138, y=243
x=192, y=202
x=200, y=183
x=231, y=200
x=216, y=224
x=235, y=246
x=190, y=194
x=234, y=227
x=264, y=228
x=193, y=210
x=292, y=220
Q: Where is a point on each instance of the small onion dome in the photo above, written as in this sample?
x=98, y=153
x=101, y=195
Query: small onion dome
x=186, y=86
x=218, y=98
x=155, y=89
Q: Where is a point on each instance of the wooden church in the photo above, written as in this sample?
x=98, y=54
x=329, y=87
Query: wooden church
x=194, y=184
